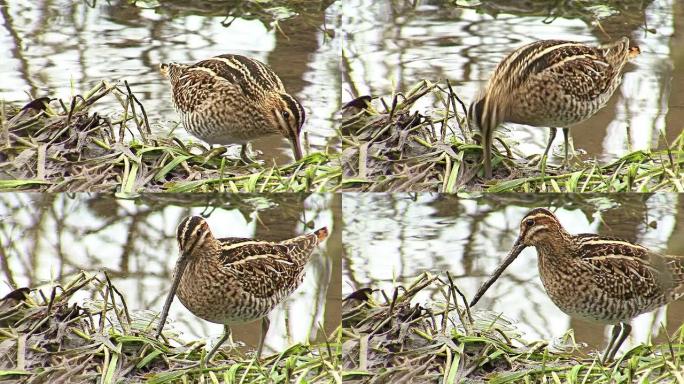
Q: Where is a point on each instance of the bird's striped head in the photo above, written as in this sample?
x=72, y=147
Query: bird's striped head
x=171, y=71
x=539, y=227
x=536, y=228
x=289, y=116
x=193, y=235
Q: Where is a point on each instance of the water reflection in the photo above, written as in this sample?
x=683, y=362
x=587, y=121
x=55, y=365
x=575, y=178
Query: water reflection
x=392, y=44
x=51, y=237
x=62, y=48
x=390, y=239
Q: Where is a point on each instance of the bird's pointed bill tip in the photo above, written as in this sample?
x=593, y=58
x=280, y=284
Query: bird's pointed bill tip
x=296, y=147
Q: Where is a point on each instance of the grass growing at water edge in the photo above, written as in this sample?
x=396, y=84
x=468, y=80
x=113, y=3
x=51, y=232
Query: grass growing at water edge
x=391, y=337
x=53, y=146
x=49, y=334
x=390, y=145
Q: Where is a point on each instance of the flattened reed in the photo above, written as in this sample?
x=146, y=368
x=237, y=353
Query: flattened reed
x=396, y=338
x=53, y=334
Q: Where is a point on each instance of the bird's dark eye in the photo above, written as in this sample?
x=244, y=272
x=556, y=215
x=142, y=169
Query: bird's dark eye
x=286, y=114
x=529, y=222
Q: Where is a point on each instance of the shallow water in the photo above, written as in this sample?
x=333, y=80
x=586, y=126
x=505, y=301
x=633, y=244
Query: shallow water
x=392, y=45
x=52, y=237
x=394, y=238
x=62, y=48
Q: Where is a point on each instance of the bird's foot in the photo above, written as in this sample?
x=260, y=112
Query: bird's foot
x=539, y=161
x=245, y=156
x=248, y=160
x=565, y=165
x=213, y=152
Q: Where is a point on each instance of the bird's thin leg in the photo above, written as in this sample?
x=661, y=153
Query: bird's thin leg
x=487, y=152
x=546, y=151
x=265, y=323
x=626, y=329
x=566, y=137
x=226, y=335
x=614, y=335
x=244, y=154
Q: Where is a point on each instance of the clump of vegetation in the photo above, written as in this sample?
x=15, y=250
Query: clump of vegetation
x=390, y=146
x=51, y=146
x=393, y=338
x=53, y=335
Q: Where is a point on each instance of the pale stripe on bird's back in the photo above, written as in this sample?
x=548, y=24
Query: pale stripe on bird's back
x=269, y=256
x=254, y=78
x=229, y=247
x=517, y=68
x=600, y=241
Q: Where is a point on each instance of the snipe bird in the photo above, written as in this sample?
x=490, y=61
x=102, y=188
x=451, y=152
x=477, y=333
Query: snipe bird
x=548, y=83
x=233, y=99
x=596, y=278
x=235, y=280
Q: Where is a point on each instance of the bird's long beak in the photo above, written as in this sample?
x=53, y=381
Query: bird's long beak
x=180, y=268
x=517, y=248
x=296, y=146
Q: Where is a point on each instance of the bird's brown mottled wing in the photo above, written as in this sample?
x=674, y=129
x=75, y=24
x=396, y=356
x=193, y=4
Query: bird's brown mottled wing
x=254, y=78
x=624, y=269
x=676, y=265
x=263, y=268
x=584, y=78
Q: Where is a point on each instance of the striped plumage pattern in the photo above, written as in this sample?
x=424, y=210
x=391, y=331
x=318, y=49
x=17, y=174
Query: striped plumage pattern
x=232, y=99
x=600, y=278
x=548, y=83
x=235, y=280
x=596, y=278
